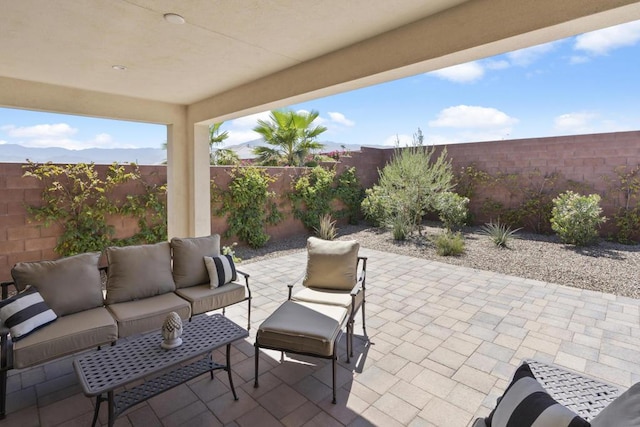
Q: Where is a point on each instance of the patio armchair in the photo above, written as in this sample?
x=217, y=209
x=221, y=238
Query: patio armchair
x=335, y=275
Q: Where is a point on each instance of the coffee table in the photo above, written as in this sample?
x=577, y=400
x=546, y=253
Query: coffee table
x=103, y=371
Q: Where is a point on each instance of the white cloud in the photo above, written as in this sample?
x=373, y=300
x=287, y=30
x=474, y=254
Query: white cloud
x=240, y=136
x=500, y=64
x=2, y=142
x=579, y=59
x=339, y=118
x=527, y=56
x=579, y=122
x=249, y=121
x=468, y=116
x=58, y=130
x=603, y=41
x=462, y=73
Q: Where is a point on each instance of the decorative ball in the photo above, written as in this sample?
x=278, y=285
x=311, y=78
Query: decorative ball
x=171, y=331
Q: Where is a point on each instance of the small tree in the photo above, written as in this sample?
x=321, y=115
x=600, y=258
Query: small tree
x=217, y=154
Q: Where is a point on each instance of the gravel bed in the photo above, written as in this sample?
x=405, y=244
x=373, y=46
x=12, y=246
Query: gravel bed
x=606, y=267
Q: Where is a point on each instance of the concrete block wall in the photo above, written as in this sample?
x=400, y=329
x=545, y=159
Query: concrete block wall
x=583, y=158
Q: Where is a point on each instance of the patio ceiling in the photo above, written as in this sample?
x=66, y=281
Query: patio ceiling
x=227, y=45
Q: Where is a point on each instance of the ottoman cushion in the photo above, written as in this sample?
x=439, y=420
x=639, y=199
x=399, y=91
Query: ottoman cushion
x=303, y=328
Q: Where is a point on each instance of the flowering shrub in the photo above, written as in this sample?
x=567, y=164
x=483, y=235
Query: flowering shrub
x=575, y=218
x=452, y=209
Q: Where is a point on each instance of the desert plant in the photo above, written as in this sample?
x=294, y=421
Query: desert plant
x=349, y=190
x=409, y=185
x=400, y=227
x=499, y=234
x=452, y=210
x=311, y=195
x=326, y=229
x=576, y=218
x=449, y=244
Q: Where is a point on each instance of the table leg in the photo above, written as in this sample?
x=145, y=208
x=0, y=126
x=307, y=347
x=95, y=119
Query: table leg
x=228, y=369
x=112, y=408
x=256, y=359
x=99, y=400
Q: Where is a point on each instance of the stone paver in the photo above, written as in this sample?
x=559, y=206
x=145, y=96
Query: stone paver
x=443, y=344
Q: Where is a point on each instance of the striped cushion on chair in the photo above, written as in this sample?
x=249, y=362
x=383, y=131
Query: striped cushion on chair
x=526, y=403
x=25, y=312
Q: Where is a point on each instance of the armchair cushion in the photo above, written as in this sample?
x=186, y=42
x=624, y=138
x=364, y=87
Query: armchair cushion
x=526, y=403
x=139, y=271
x=68, y=285
x=25, y=313
x=331, y=264
x=188, y=267
x=221, y=270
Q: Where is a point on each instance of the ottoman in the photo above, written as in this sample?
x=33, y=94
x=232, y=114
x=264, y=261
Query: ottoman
x=302, y=328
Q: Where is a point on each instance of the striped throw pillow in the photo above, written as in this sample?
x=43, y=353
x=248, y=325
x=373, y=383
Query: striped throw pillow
x=526, y=403
x=25, y=313
x=221, y=270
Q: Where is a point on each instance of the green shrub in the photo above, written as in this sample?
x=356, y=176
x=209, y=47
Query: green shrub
x=327, y=228
x=500, y=234
x=400, y=228
x=628, y=225
x=409, y=185
x=250, y=205
x=452, y=210
x=575, y=218
x=312, y=195
x=449, y=244
x=349, y=190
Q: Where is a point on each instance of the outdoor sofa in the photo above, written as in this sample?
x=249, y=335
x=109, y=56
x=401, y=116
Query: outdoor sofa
x=61, y=309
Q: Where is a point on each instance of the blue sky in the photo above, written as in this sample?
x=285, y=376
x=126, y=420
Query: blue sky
x=584, y=84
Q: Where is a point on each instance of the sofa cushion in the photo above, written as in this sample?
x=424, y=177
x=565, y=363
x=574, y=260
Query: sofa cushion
x=331, y=264
x=623, y=411
x=137, y=272
x=221, y=270
x=144, y=315
x=526, y=403
x=67, y=335
x=203, y=298
x=24, y=313
x=188, y=266
x=68, y=285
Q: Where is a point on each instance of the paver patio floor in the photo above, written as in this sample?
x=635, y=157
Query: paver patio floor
x=444, y=342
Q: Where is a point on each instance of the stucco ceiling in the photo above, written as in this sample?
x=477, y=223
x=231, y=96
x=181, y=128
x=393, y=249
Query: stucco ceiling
x=223, y=44
x=234, y=56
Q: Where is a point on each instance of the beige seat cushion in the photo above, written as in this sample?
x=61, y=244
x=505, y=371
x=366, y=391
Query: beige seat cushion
x=203, y=298
x=331, y=264
x=148, y=314
x=67, y=335
x=327, y=296
x=67, y=285
x=302, y=327
x=140, y=271
x=188, y=259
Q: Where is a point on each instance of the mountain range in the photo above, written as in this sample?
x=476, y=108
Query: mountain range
x=14, y=153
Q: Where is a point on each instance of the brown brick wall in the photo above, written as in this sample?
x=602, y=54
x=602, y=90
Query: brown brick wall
x=584, y=158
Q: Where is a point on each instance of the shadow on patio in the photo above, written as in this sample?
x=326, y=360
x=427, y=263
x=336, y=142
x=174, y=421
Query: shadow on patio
x=444, y=342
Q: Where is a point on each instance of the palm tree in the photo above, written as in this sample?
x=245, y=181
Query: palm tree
x=290, y=137
x=220, y=156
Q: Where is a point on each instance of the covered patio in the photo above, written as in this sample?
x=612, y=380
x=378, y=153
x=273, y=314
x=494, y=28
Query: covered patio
x=444, y=342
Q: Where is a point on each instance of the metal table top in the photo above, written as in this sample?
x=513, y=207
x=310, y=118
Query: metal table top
x=137, y=357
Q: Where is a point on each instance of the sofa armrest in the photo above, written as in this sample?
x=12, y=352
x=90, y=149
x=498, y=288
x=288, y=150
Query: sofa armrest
x=5, y=288
x=246, y=281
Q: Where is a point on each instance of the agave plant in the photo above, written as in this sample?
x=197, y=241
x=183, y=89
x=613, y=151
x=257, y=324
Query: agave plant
x=500, y=234
x=327, y=228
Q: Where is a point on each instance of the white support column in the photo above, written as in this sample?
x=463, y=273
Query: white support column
x=188, y=178
x=201, y=178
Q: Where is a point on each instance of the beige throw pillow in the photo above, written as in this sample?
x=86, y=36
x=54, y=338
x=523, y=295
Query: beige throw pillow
x=68, y=285
x=331, y=264
x=188, y=267
x=137, y=272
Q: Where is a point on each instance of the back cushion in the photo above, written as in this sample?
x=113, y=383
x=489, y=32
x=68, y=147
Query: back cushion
x=137, y=272
x=188, y=259
x=67, y=285
x=331, y=264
